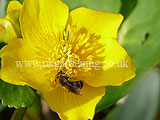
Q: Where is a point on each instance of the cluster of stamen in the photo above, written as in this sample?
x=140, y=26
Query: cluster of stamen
x=72, y=47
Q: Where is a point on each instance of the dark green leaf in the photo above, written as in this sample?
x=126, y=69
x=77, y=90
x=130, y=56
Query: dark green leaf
x=16, y=96
x=127, y=7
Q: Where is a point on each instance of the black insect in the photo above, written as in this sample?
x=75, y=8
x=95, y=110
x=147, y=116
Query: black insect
x=74, y=87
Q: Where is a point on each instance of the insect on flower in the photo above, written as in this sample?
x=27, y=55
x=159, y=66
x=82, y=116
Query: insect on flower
x=74, y=87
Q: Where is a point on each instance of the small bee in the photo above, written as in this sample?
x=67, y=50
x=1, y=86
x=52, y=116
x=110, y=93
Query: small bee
x=74, y=87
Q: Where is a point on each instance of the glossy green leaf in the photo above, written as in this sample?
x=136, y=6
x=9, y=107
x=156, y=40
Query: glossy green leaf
x=142, y=104
x=16, y=96
x=104, y=5
x=139, y=34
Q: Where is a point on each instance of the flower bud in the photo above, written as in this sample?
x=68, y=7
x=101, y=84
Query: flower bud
x=9, y=25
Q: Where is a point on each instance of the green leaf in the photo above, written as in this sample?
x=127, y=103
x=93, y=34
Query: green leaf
x=75, y=3
x=16, y=96
x=142, y=104
x=139, y=34
x=104, y=5
x=127, y=7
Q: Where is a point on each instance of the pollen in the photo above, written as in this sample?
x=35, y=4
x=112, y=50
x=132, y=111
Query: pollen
x=70, y=51
x=74, y=53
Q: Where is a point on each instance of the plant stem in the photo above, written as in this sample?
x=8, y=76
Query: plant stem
x=19, y=113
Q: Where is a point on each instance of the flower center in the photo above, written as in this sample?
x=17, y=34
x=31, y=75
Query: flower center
x=70, y=54
x=74, y=53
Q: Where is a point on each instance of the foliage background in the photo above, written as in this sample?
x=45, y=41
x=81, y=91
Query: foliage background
x=139, y=35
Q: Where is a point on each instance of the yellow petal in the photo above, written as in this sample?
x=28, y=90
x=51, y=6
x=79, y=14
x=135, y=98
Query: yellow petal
x=13, y=17
x=114, y=74
x=16, y=69
x=42, y=18
x=100, y=33
x=74, y=107
x=96, y=22
x=13, y=5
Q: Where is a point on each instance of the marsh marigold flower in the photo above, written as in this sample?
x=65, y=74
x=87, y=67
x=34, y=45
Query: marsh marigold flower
x=49, y=31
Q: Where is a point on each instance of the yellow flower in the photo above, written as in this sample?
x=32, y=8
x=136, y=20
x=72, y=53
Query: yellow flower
x=9, y=25
x=49, y=31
